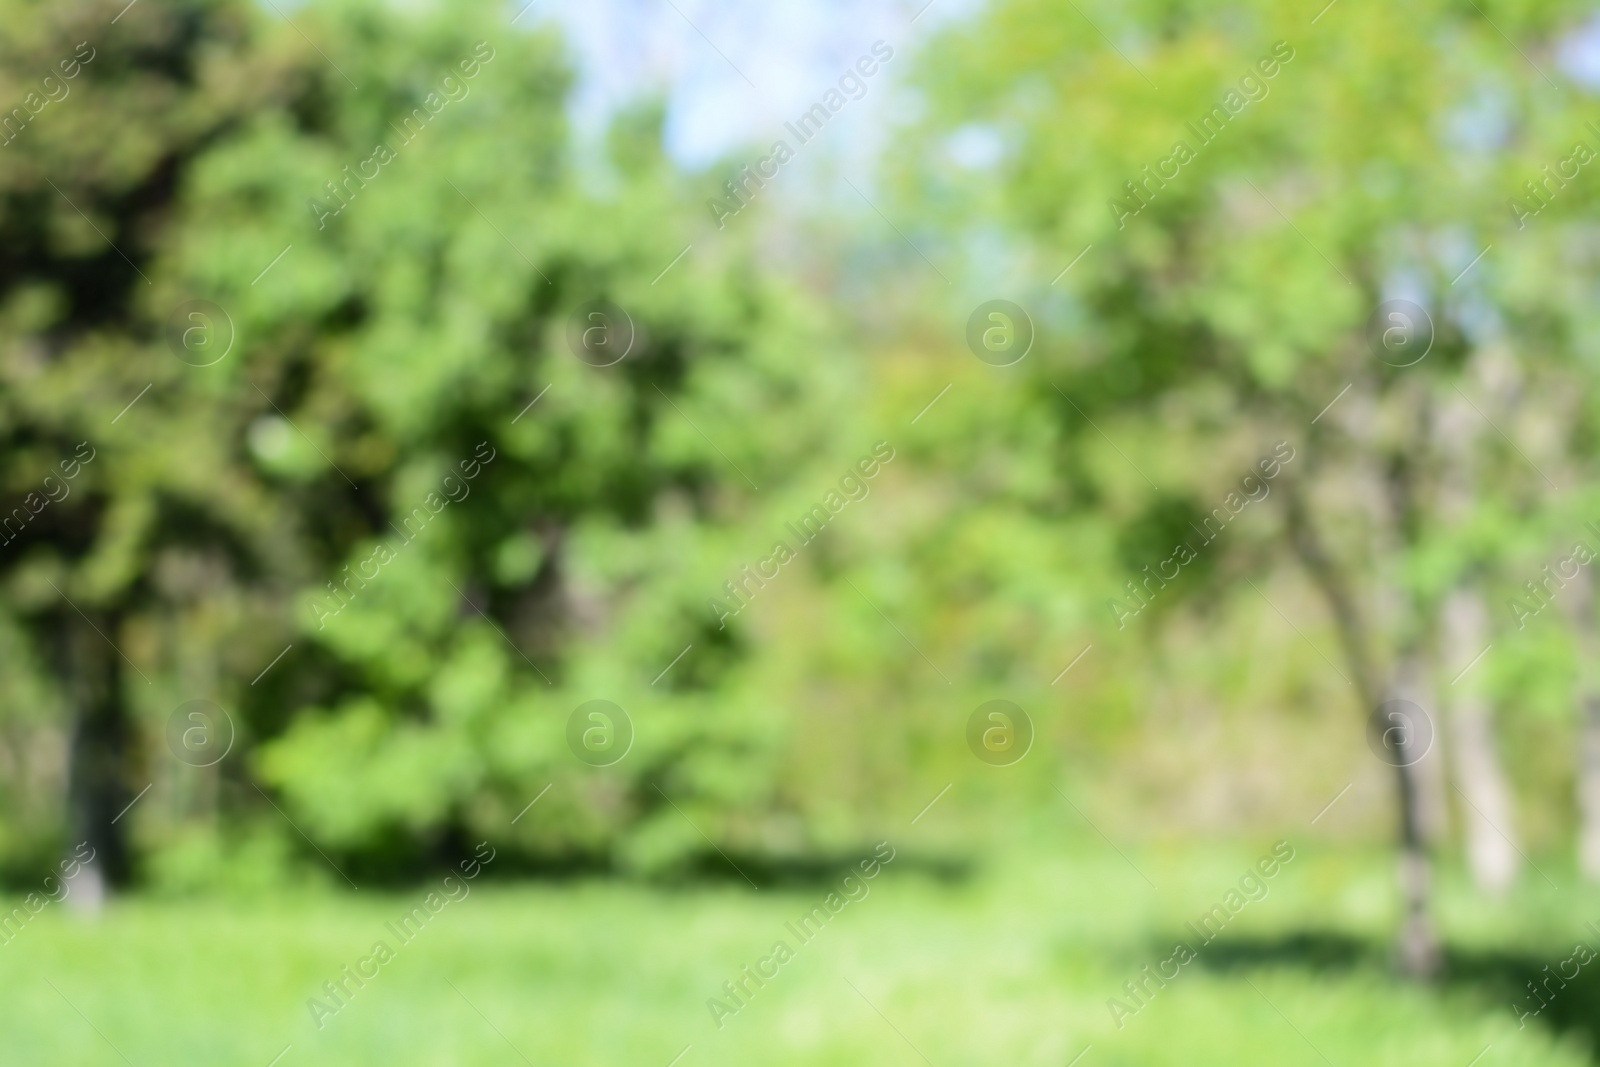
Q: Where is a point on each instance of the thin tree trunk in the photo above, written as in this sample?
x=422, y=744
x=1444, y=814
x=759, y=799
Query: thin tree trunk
x=1581, y=607
x=1589, y=787
x=1488, y=818
x=1417, y=763
x=1419, y=784
x=1413, y=681
x=1417, y=946
x=98, y=755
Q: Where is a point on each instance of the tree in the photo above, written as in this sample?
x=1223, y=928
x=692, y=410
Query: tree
x=1240, y=228
x=133, y=523
x=436, y=490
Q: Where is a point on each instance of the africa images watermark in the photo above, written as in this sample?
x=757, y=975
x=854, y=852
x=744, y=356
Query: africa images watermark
x=1542, y=593
x=451, y=89
x=1542, y=191
x=33, y=104
x=851, y=488
x=338, y=992
x=1252, y=889
x=33, y=503
x=811, y=121
x=455, y=490
x=1581, y=956
x=1255, y=489
x=750, y=981
x=11, y=925
x=1251, y=89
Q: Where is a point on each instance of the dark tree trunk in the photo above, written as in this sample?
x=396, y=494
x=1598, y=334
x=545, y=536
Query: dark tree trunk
x=1417, y=948
x=99, y=752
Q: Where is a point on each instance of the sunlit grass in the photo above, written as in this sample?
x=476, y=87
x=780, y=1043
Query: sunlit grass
x=1014, y=966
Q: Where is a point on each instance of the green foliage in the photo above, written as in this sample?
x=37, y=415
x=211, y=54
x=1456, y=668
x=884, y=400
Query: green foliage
x=461, y=531
x=400, y=397
x=1223, y=298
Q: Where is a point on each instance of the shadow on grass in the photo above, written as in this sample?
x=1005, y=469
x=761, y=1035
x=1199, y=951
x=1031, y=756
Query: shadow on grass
x=1531, y=982
x=821, y=870
x=400, y=869
x=1513, y=982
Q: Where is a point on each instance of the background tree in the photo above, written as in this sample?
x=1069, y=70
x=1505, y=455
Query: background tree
x=1233, y=258
x=139, y=534
x=422, y=325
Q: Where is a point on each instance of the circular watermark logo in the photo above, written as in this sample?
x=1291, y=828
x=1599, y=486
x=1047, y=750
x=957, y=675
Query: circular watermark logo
x=1399, y=732
x=599, y=733
x=1000, y=333
x=999, y=733
x=1400, y=332
x=600, y=333
x=200, y=333
x=199, y=733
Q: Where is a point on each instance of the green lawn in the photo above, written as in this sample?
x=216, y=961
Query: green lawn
x=1013, y=966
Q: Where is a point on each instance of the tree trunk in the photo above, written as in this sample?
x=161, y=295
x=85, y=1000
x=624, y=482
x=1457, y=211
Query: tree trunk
x=1486, y=814
x=1581, y=608
x=1417, y=947
x=1487, y=818
x=1417, y=760
x=1589, y=788
x=98, y=754
x=1413, y=681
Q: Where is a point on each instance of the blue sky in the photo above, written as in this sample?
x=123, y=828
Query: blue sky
x=688, y=50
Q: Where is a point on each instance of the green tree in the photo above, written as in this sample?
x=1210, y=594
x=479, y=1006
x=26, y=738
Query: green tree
x=135, y=534
x=1245, y=191
x=421, y=466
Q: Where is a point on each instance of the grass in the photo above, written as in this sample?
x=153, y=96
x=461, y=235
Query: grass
x=1013, y=966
